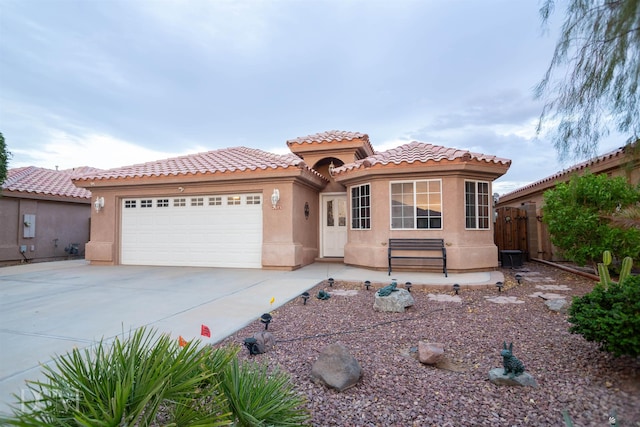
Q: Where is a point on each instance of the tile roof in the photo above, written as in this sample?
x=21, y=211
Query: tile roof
x=420, y=152
x=31, y=179
x=216, y=161
x=565, y=174
x=329, y=136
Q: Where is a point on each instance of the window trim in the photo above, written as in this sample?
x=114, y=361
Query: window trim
x=477, y=205
x=415, y=217
x=351, y=208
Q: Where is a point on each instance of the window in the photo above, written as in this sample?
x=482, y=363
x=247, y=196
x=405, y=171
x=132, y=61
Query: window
x=361, y=207
x=162, y=203
x=233, y=200
x=416, y=204
x=253, y=200
x=129, y=204
x=215, y=201
x=197, y=201
x=146, y=203
x=179, y=202
x=476, y=204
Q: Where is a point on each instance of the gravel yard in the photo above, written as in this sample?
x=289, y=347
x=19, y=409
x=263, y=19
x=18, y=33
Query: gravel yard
x=397, y=390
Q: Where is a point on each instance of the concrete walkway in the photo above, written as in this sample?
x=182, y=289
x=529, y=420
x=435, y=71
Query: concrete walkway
x=47, y=309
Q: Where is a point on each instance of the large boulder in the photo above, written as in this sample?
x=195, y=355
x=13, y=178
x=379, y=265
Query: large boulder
x=430, y=353
x=396, y=302
x=497, y=377
x=336, y=368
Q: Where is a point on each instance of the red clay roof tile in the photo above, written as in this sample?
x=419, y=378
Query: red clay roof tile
x=329, y=136
x=216, y=161
x=420, y=152
x=43, y=181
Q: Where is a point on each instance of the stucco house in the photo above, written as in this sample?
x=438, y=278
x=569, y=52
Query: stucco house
x=528, y=200
x=43, y=216
x=333, y=197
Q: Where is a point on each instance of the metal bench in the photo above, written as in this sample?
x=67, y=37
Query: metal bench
x=402, y=246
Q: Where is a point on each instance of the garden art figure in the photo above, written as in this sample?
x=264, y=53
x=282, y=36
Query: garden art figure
x=512, y=365
x=386, y=291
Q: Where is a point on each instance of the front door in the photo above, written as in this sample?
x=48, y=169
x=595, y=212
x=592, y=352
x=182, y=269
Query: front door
x=334, y=224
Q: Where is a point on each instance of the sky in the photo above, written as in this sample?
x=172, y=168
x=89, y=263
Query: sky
x=111, y=83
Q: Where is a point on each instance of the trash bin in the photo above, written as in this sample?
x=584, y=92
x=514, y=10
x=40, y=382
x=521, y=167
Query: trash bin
x=511, y=258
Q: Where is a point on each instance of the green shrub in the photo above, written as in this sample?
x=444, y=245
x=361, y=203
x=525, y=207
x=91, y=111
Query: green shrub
x=610, y=316
x=146, y=379
x=259, y=397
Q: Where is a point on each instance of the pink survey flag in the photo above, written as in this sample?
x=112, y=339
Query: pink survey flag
x=204, y=331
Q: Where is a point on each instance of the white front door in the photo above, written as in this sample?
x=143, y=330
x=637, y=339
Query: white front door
x=334, y=225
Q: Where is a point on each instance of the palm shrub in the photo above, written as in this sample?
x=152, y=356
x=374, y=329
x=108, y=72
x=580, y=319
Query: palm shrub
x=258, y=396
x=610, y=316
x=126, y=383
x=148, y=379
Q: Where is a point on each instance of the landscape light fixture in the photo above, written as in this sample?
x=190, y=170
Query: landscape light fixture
x=408, y=286
x=519, y=278
x=499, y=285
x=367, y=284
x=331, y=282
x=266, y=319
x=252, y=346
x=305, y=297
x=456, y=288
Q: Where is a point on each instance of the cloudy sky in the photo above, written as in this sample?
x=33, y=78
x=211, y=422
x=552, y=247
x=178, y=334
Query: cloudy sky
x=108, y=83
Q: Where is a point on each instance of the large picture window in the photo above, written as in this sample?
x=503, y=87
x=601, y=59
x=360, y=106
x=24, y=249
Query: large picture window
x=416, y=204
x=477, y=205
x=361, y=207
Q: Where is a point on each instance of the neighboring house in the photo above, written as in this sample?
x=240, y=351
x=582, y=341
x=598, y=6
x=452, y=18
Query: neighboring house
x=43, y=216
x=333, y=197
x=528, y=200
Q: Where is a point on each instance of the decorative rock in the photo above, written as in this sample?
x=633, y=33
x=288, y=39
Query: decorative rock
x=497, y=377
x=336, y=368
x=430, y=353
x=265, y=341
x=396, y=302
x=558, y=304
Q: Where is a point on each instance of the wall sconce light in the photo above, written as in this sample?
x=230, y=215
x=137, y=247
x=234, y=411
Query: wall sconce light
x=99, y=204
x=306, y=210
x=332, y=167
x=275, y=198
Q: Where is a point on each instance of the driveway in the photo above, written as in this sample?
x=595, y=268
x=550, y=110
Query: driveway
x=47, y=309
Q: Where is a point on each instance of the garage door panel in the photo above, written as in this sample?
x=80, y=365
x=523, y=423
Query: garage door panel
x=191, y=232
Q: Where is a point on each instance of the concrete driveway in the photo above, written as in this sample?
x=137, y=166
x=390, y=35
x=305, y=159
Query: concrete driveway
x=47, y=309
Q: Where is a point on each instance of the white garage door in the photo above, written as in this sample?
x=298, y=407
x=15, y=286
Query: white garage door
x=203, y=231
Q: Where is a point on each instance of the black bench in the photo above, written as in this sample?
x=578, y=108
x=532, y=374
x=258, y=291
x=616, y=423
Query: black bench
x=424, y=245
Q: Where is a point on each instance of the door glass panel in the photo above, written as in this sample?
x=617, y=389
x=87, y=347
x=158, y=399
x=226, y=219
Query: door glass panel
x=342, y=213
x=330, y=221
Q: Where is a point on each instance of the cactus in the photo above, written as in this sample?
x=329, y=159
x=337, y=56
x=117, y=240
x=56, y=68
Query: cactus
x=625, y=269
x=606, y=258
x=603, y=272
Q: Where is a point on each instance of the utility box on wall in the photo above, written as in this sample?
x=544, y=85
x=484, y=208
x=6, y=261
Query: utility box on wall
x=29, y=226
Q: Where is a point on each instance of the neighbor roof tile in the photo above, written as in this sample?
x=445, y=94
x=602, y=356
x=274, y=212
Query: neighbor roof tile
x=50, y=182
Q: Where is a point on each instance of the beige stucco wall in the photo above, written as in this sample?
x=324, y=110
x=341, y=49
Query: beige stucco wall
x=58, y=224
x=282, y=248
x=466, y=249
